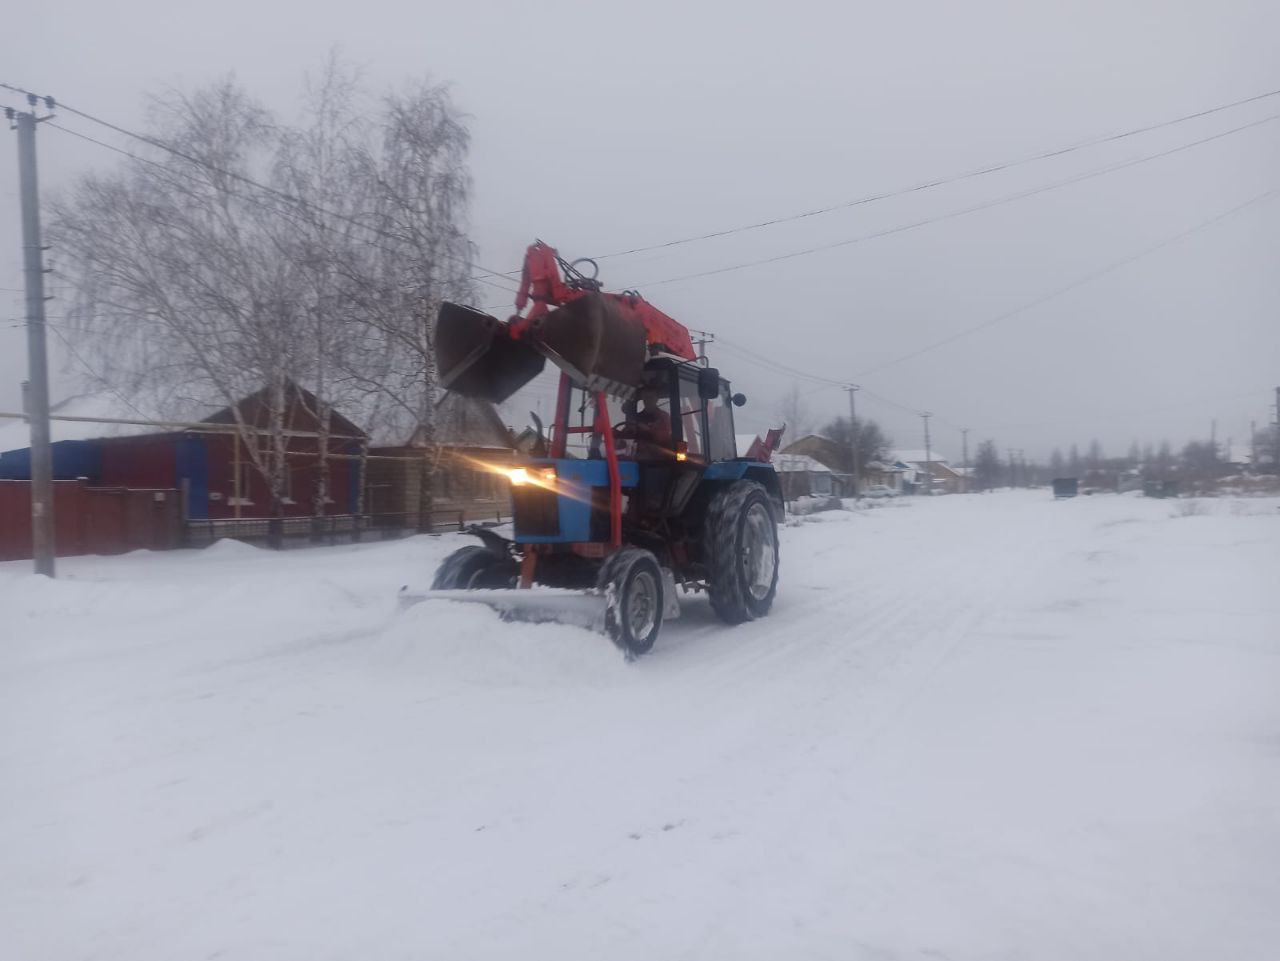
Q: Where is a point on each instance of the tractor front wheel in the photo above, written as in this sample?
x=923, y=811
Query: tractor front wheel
x=741, y=552
x=471, y=568
x=632, y=583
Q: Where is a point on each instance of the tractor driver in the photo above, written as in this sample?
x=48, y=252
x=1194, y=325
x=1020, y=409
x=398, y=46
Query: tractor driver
x=650, y=426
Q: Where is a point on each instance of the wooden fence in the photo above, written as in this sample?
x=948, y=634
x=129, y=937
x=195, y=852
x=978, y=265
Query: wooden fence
x=91, y=520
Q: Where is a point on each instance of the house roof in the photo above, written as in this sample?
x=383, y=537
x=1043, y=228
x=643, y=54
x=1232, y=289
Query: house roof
x=822, y=449
x=469, y=422
x=798, y=463
x=297, y=399
x=109, y=406
x=460, y=422
x=918, y=457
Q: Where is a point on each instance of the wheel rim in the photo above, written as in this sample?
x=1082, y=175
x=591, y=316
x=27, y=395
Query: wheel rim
x=642, y=605
x=759, y=553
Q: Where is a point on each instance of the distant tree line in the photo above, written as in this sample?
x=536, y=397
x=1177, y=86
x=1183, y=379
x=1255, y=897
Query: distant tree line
x=1197, y=463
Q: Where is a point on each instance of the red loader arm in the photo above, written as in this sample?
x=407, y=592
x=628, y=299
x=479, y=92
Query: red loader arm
x=542, y=285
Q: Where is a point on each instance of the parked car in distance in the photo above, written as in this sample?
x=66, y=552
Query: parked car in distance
x=879, y=490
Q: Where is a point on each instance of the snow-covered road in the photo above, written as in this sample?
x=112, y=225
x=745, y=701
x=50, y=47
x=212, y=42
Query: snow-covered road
x=983, y=727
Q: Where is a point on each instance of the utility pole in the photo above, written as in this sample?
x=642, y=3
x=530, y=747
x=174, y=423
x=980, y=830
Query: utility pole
x=704, y=339
x=42, y=544
x=853, y=439
x=928, y=455
x=1013, y=471
x=964, y=456
x=1275, y=441
x=1253, y=446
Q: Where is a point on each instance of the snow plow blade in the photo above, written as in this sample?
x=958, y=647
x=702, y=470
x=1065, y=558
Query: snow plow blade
x=579, y=608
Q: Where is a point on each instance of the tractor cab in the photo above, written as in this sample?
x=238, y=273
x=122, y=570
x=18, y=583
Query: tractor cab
x=658, y=443
x=681, y=412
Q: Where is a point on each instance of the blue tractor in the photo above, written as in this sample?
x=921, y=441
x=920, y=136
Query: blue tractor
x=637, y=488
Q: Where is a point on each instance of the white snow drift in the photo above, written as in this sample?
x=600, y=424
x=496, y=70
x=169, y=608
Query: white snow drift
x=973, y=727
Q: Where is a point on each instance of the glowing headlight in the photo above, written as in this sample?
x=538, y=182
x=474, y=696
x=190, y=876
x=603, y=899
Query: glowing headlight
x=521, y=475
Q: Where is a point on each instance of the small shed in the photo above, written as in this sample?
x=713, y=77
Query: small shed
x=1066, y=487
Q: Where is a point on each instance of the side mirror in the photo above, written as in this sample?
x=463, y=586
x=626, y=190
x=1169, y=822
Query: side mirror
x=708, y=383
x=739, y=400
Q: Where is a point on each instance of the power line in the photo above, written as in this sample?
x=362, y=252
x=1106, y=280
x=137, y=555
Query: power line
x=944, y=181
x=825, y=382
x=91, y=371
x=828, y=383
x=1079, y=282
x=248, y=198
x=778, y=366
x=985, y=205
x=241, y=178
x=1256, y=393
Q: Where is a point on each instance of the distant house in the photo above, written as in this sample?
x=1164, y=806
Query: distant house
x=919, y=468
x=902, y=472
x=470, y=441
x=803, y=476
x=829, y=454
x=884, y=474
x=1239, y=457
x=158, y=482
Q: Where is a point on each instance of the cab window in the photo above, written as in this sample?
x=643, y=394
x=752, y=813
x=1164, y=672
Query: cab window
x=720, y=439
x=691, y=420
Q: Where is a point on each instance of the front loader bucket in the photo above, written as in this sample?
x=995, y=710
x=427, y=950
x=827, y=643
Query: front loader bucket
x=478, y=358
x=595, y=343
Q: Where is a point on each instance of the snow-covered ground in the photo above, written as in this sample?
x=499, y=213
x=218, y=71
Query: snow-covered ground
x=988, y=727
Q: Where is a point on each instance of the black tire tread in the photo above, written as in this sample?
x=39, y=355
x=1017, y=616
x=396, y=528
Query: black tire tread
x=614, y=573
x=460, y=567
x=724, y=580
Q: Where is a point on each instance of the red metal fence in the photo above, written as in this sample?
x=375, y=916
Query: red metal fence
x=91, y=520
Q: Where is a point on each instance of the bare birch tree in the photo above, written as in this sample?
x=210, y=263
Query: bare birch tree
x=421, y=256
x=242, y=256
x=178, y=278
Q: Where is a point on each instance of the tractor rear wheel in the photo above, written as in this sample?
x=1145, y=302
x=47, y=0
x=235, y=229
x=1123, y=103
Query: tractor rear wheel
x=471, y=568
x=632, y=582
x=742, y=552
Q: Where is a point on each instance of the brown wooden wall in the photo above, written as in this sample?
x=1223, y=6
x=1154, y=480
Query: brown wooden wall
x=91, y=520
x=462, y=485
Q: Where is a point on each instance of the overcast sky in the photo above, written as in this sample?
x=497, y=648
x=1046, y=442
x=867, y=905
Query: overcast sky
x=600, y=127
